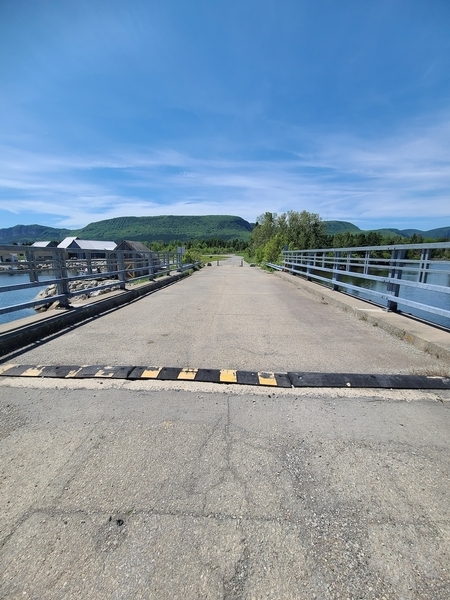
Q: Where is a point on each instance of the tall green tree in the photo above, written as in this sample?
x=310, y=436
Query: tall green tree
x=296, y=230
x=305, y=230
x=265, y=228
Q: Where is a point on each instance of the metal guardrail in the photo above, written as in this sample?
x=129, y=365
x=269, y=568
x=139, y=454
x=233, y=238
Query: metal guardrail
x=52, y=266
x=408, y=278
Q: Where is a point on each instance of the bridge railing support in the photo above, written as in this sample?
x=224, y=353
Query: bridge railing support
x=59, y=267
x=410, y=278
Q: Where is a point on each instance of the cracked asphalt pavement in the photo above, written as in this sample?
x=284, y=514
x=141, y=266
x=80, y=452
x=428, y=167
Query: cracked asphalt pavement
x=144, y=490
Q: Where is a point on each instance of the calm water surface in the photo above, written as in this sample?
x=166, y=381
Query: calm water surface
x=437, y=299
x=19, y=296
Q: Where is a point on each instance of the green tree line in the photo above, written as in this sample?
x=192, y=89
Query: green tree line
x=291, y=230
x=304, y=230
x=212, y=245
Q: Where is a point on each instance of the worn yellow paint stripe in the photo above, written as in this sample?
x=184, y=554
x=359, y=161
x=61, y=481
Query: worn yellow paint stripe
x=187, y=373
x=102, y=373
x=267, y=379
x=151, y=373
x=33, y=372
x=228, y=376
x=74, y=372
x=7, y=367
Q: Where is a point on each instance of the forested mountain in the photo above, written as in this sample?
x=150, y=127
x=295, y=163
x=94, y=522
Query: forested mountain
x=340, y=227
x=334, y=227
x=167, y=228
x=144, y=229
x=440, y=232
x=31, y=233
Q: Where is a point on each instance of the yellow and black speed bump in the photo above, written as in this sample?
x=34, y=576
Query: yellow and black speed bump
x=169, y=373
x=211, y=376
x=144, y=372
x=255, y=378
x=13, y=370
x=21, y=370
x=59, y=371
x=208, y=375
x=247, y=377
x=98, y=371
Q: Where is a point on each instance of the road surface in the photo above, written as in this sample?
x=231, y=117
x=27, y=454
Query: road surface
x=142, y=490
x=232, y=317
x=185, y=490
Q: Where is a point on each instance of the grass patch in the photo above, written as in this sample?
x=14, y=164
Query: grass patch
x=247, y=258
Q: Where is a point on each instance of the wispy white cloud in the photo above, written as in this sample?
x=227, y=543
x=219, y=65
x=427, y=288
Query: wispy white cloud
x=395, y=179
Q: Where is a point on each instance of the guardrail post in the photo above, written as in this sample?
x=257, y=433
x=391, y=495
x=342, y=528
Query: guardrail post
x=335, y=274
x=289, y=258
x=110, y=265
x=395, y=272
x=366, y=262
x=309, y=262
x=60, y=269
x=348, y=264
x=31, y=264
x=425, y=257
x=89, y=263
x=151, y=268
x=122, y=274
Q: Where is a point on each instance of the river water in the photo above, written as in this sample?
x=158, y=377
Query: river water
x=18, y=296
x=440, y=276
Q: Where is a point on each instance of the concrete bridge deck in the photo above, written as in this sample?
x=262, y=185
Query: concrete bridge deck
x=228, y=317
x=184, y=490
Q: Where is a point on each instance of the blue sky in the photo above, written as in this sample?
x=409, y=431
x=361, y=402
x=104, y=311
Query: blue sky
x=115, y=108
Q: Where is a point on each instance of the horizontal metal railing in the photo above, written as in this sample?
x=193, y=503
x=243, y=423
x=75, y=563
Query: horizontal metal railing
x=409, y=278
x=56, y=266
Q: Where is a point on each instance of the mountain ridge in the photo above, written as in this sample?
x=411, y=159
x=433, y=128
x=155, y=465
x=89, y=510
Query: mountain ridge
x=168, y=228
